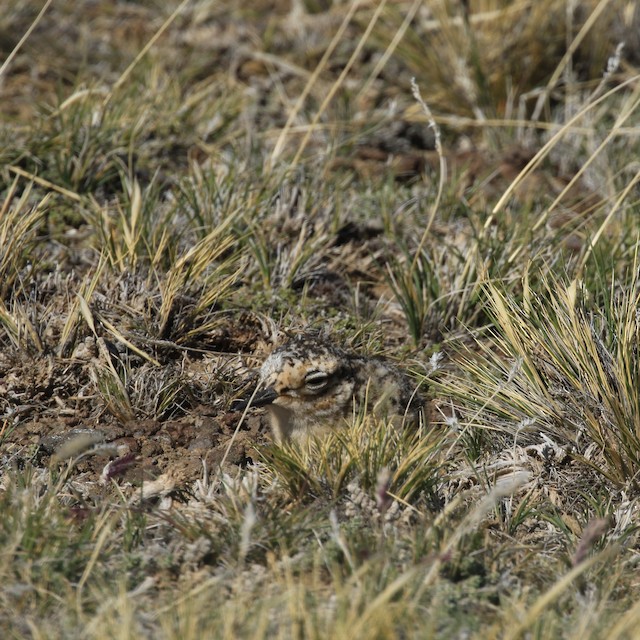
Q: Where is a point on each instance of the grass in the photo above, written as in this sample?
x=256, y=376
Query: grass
x=450, y=185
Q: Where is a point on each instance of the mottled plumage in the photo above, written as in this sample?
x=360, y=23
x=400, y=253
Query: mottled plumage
x=309, y=386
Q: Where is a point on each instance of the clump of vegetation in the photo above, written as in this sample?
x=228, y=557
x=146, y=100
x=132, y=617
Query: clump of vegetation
x=450, y=185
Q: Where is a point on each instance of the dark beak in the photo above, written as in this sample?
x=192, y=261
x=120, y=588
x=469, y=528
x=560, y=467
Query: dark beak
x=259, y=399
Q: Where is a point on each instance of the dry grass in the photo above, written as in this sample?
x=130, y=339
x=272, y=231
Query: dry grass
x=451, y=185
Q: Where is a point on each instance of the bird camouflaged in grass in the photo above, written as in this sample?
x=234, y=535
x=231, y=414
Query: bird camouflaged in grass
x=310, y=387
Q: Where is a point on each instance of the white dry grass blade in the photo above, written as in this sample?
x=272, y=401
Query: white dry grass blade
x=630, y=107
x=280, y=142
x=110, y=369
x=25, y=37
x=338, y=83
x=130, y=227
x=80, y=307
x=104, y=528
x=552, y=595
x=504, y=488
x=47, y=184
x=382, y=600
x=443, y=168
x=120, y=338
x=614, y=209
x=388, y=52
x=568, y=56
x=143, y=52
x=117, y=613
x=86, y=313
x=537, y=159
x=237, y=429
x=627, y=624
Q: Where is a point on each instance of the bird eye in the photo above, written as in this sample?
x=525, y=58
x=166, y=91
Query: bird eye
x=316, y=380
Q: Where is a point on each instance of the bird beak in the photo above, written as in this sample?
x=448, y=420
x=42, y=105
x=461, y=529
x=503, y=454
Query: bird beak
x=257, y=399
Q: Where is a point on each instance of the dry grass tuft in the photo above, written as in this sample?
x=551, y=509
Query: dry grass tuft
x=450, y=184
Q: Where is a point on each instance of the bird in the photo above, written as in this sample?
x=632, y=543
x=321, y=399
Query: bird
x=310, y=387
